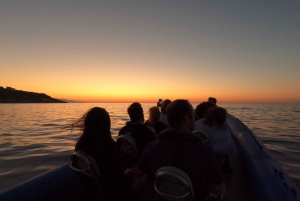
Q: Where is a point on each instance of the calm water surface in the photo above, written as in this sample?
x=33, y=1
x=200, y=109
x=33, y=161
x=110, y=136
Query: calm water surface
x=32, y=140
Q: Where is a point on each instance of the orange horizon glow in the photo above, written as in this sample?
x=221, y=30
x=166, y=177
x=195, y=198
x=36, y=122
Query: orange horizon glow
x=192, y=100
x=142, y=94
x=128, y=51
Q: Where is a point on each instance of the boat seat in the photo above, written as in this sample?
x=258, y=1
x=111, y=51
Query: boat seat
x=127, y=144
x=89, y=173
x=153, y=130
x=127, y=150
x=172, y=183
x=201, y=135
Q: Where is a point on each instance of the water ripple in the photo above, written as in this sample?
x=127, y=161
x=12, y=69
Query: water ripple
x=32, y=140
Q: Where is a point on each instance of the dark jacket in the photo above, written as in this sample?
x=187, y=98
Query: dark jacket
x=196, y=159
x=140, y=133
x=158, y=126
x=115, y=185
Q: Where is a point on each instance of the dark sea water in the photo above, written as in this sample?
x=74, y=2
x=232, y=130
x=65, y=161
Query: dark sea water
x=32, y=140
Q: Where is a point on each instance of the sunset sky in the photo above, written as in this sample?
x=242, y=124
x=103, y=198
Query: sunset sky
x=123, y=51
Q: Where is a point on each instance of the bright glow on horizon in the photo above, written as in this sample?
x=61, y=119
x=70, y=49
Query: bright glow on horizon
x=142, y=51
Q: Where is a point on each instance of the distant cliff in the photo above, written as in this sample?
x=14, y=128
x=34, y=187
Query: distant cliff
x=11, y=95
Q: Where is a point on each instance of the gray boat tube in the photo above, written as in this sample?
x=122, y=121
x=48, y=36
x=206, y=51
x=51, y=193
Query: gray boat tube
x=264, y=178
x=59, y=184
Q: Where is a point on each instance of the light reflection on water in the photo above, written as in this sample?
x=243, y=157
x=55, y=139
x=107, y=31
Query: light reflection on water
x=32, y=140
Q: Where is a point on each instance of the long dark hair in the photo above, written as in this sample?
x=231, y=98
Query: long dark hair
x=216, y=117
x=95, y=124
x=202, y=109
x=154, y=115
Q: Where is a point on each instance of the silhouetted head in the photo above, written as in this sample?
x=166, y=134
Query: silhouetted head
x=95, y=124
x=201, y=109
x=212, y=99
x=97, y=119
x=164, y=106
x=216, y=117
x=154, y=115
x=180, y=115
x=135, y=112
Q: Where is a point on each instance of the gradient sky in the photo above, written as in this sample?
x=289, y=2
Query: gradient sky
x=107, y=51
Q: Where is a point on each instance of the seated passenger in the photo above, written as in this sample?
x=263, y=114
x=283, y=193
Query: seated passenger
x=212, y=100
x=139, y=131
x=201, y=109
x=154, y=122
x=97, y=142
x=196, y=158
x=213, y=125
x=219, y=137
x=163, y=114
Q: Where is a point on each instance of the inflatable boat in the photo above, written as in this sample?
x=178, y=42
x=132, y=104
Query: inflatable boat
x=256, y=176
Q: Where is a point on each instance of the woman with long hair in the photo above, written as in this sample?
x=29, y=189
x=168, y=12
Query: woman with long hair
x=97, y=142
x=219, y=137
x=154, y=122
